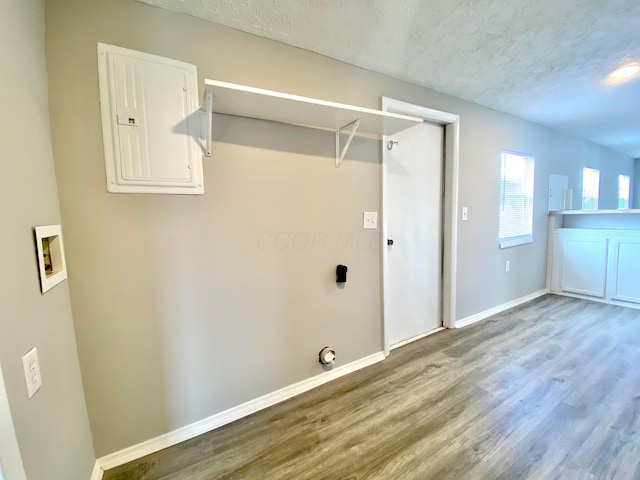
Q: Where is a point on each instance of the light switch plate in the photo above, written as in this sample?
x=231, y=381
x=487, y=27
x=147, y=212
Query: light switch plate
x=32, y=372
x=465, y=214
x=370, y=220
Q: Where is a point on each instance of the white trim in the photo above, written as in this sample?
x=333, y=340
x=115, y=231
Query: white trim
x=553, y=223
x=97, y=472
x=451, y=123
x=219, y=419
x=417, y=337
x=617, y=303
x=383, y=240
x=514, y=242
x=10, y=458
x=621, y=211
x=452, y=182
x=500, y=308
x=397, y=106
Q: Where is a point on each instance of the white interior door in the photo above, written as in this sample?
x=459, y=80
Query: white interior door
x=413, y=210
x=558, y=185
x=9, y=450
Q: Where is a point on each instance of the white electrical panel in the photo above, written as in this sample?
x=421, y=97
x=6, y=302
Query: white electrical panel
x=150, y=123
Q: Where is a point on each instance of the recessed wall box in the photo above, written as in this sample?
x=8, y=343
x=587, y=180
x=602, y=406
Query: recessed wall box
x=151, y=123
x=50, y=250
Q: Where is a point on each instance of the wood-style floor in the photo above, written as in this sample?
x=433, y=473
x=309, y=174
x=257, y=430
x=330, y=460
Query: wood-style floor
x=549, y=390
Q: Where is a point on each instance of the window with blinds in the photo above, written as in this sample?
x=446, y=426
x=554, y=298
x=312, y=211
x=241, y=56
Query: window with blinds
x=516, y=199
x=623, y=191
x=590, y=188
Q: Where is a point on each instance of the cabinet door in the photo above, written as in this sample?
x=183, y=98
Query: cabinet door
x=584, y=266
x=626, y=272
x=150, y=123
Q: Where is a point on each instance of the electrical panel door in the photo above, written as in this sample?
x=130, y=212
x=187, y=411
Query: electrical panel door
x=151, y=123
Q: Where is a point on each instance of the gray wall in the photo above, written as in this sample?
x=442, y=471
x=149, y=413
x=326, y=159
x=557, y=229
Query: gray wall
x=610, y=165
x=182, y=306
x=52, y=428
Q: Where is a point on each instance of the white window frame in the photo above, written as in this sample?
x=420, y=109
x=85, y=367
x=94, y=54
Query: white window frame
x=625, y=190
x=586, y=194
x=528, y=193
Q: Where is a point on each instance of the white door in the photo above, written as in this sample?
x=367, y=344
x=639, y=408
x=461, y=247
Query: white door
x=413, y=208
x=558, y=185
x=9, y=451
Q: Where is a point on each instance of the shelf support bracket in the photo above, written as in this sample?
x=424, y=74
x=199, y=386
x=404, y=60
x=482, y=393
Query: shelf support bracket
x=207, y=111
x=340, y=154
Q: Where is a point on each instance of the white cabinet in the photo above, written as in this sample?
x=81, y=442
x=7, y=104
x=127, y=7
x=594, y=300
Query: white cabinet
x=151, y=123
x=626, y=270
x=584, y=265
x=596, y=263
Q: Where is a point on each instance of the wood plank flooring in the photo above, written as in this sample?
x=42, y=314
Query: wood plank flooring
x=548, y=390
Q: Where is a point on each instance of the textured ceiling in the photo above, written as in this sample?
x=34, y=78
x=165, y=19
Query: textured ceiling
x=545, y=61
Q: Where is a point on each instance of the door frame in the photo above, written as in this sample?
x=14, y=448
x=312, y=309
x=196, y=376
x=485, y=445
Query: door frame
x=11, y=461
x=451, y=124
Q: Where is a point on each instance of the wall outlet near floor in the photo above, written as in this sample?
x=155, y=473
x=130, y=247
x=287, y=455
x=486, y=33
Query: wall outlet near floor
x=507, y=266
x=32, y=372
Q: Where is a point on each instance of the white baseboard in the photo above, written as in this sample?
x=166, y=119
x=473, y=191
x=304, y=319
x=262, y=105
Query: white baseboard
x=500, y=308
x=608, y=301
x=219, y=419
x=417, y=337
x=97, y=472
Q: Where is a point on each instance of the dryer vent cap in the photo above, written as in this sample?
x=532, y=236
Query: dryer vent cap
x=327, y=356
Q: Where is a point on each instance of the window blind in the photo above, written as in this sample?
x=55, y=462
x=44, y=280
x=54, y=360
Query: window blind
x=623, y=191
x=590, y=188
x=516, y=199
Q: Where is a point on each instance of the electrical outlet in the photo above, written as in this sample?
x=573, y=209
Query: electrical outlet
x=507, y=266
x=32, y=372
x=370, y=220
